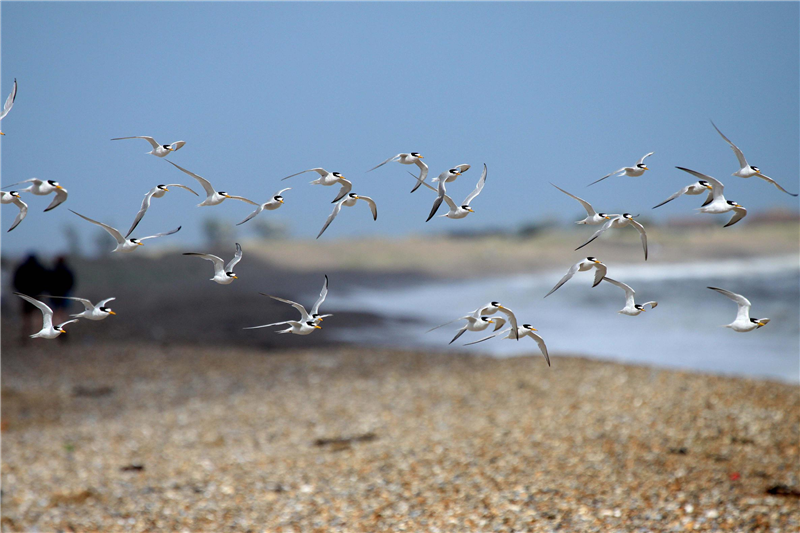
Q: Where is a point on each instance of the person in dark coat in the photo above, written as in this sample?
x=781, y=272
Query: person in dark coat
x=30, y=278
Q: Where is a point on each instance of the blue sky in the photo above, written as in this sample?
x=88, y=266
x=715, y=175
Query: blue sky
x=561, y=92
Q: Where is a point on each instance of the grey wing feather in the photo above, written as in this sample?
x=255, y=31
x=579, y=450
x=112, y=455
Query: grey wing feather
x=336, y=209
x=487, y=338
x=586, y=205
x=641, y=231
x=606, y=176
x=47, y=313
x=300, y=308
x=170, y=232
x=739, y=214
x=679, y=193
x=460, y=332
x=643, y=158
x=438, y=202
x=203, y=182
x=420, y=182
x=88, y=306
x=566, y=278
x=478, y=187
x=182, y=187
x=597, y=233
x=32, y=180
x=599, y=274
x=113, y=231
x=372, y=206
x=152, y=141
x=23, y=212
x=542, y=346
x=273, y=324
x=59, y=198
x=242, y=198
x=739, y=154
x=177, y=145
x=236, y=258
x=390, y=159
x=499, y=322
x=102, y=303
x=322, y=295
x=251, y=215
x=775, y=183
x=142, y=210
x=321, y=171
x=423, y=173
x=347, y=186
x=9, y=101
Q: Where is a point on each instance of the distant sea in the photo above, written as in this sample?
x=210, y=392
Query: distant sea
x=682, y=332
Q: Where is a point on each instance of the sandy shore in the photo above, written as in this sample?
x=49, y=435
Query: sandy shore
x=138, y=438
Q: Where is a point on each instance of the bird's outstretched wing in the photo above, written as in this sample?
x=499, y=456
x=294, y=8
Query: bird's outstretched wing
x=147, y=138
x=390, y=159
x=679, y=193
x=203, y=182
x=9, y=101
x=47, y=313
x=336, y=209
x=321, y=171
x=346, y=187
x=643, y=235
x=59, y=198
x=738, y=214
x=170, y=232
x=236, y=258
x=597, y=233
x=568, y=276
x=606, y=176
x=322, y=295
x=775, y=183
x=478, y=187
x=586, y=205
x=739, y=154
x=372, y=206
x=23, y=212
x=113, y=231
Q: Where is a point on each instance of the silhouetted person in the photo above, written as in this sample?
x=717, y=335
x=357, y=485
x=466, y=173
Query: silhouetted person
x=30, y=278
x=59, y=283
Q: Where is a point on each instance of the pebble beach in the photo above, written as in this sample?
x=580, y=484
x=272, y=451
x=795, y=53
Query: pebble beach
x=129, y=437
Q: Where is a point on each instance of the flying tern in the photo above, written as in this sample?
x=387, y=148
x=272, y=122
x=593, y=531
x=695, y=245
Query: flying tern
x=633, y=172
x=461, y=211
x=526, y=330
x=349, y=201
x=123, y=243
x=592, y=218
x=631, y=308
x=296, y=328
x=159, y=150
x=48, y=331
x=743, y=322
x=716, y=203
x=479, y=323
x=696, y=188
x=91, y=311
x=212, y=197
x=413, y=158
x=43, y=188
x=12, y=197
x=9, y=102
x=582, y=266
x=223, y=274
x=274, y=203
x=305, y=316
x=156, y=192
x=327, y=179
x=747, y=170
x=620, y=222
x=445, y=177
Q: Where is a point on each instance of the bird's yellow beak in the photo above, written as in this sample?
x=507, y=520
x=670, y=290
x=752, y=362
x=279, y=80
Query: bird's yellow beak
x=491, y=321
x=235, y=276
x=356, y=197
x=645, y=167
x=317, y=327
x=320, y=319
x=709, y=187
x=1, y=133
x=470, y=210
x=166, y=189
x=281, y=201
x=59, y=187
x=597, y=262
x=644, y=310
x=534, y=329
x=226, y=195
x=140, y=244
x=111, y=312
x=418, y=157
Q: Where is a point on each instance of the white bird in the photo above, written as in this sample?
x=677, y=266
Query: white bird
x=593, y=218
x=461, y=211
x=156, y=192
x=212, y=196
x=91, y=311
x=349, y=201
x=223, y=274
x=327, y=179
x=492, y=308
x=159, y=150
x=305, y=316
x=743, y=322
x=442, y=179
x=716, y=203
x=13, y=198
x=124, y=244
x=633, y=172
x=296, y=328
x=274, y=203
x=631, y=308
x=413, y=158
x=582, y=266
x=43, y=188
x=48, y=331
x=620, y=222
x=474, y=323
x=526, y=330
x=696, y=188
x=747, y=170
x=9, y=102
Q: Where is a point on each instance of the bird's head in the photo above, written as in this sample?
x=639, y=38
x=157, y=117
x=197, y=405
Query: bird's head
x=167, y=147
x=137, y=242
x=455, y=171
x=417, y=155
x=224, y=194
x=107, y=310
x=467, y=208
x=313, y=324
x=704, y=183
x=353, y=195
x=337, y=175
x=14, y=194
x=54, y=184
x=732, y=203
x=278, y=198
x=162, y=188
x=761, y=322
x=627, y=215
x=755, y=169
x=642, y=166
x=594, y=260
x=639, y=307
x=60, y=329
x=603, y=215
x=528, y=326
x=487, y=320
x=497, y=304
x=231, y=275
x=316, y=316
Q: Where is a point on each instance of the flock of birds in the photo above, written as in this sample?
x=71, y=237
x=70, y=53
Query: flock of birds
x=478, y=320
